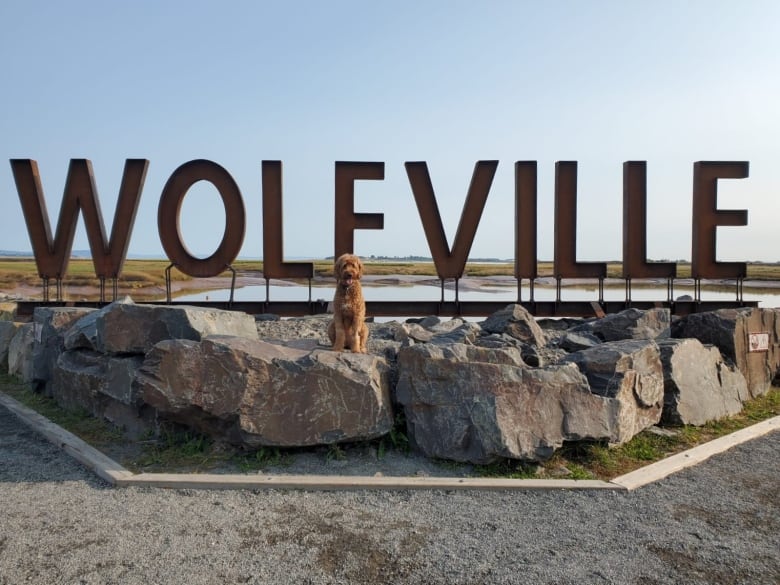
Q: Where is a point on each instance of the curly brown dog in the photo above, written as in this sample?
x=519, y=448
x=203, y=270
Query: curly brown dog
x=348, y=329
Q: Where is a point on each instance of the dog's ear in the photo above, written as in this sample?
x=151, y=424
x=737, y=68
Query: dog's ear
x=359, y=267
x=337, y=265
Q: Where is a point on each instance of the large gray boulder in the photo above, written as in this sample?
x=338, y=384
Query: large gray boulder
x=476, y=405
x=443, y=332
x=254, y=393
x=516, y=321
x=127, y=328
x=630, y=374
x=103, y=386
x=20, y=353
x=8, y=331
x=77, y=380
x=628, y=324
x=50, y=326
x=84, y=332
x=730, y=330
x=578, y=340
x=698, y=385
x=409, y=333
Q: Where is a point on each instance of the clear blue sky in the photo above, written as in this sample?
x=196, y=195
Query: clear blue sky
x=447, y=82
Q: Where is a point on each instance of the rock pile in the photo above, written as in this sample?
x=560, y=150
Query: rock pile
x=510, y=386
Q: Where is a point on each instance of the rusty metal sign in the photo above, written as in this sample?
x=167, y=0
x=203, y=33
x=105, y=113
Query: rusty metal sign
x=450, y=263
x=108, y=254
x=707, y=216
x=52, y=254
x=169, y=210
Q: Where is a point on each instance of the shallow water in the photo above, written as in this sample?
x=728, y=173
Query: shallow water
x=431, y=292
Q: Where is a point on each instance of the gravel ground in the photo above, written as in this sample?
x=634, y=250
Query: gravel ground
x=717, y=523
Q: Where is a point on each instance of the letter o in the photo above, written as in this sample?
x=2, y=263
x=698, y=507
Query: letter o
x=169, y=210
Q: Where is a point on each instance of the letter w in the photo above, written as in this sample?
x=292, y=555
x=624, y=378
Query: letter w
x=52, y=256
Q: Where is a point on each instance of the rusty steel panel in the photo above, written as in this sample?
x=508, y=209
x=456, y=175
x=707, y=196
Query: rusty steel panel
x=707, y=216
x=450, y=264
x=565, y=246
x=635, y=264
x=273, y=254
x=52, y=255
x=525, y=219
x=346, y=220
x=169, y=211
x=404, y=309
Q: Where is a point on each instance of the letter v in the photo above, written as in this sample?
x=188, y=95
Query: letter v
x=450, y=264
x=52, y=256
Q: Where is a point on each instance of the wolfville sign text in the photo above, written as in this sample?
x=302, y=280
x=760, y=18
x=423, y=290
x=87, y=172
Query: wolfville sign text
x=108, y=254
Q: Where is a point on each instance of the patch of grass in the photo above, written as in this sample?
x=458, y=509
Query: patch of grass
x=579, y=472
x=507, y=468
x=81, y=273
x=262, y=458
x=763, y=407
x=397, y=436
x=149, y=271
x=335, y=453
x=395, y=440
x=78, y=421
x=178, y=449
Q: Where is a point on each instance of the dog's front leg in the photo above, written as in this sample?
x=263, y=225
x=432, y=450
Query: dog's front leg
x=354, y=342
x=340, y=341
x=363, y=335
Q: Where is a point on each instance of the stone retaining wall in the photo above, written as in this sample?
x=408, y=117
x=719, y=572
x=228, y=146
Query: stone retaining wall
x=510, y=386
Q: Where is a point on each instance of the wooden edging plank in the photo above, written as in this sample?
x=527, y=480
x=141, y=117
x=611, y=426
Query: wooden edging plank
x=342, y=482
x=114, y=473
x=83, y=452
x=694, y=456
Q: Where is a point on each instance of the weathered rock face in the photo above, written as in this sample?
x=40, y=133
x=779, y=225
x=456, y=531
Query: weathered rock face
x=629, y=324
x=578, y=340
x=20, y=352
x=729, y=330
x=257, y=393
x=560, y=324
x=516, y=321
x=50, y=326
x=77, y=378
x=309, y=327
x=475, y=405
x=445, y=332
x=127, y=328
x=102, y=385
x=630, y=373
x=88, y=359
x=323, y=398
x=8, y=330
x=699, y=386
x=470, y=392
x=83, y=334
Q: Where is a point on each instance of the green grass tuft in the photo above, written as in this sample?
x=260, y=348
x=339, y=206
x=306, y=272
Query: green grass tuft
x=78, y=421
x=176, y=449
x=261, y=459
